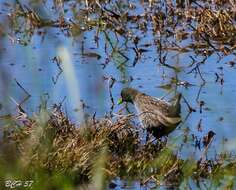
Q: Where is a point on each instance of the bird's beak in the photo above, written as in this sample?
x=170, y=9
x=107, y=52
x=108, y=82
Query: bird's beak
x=120, y=101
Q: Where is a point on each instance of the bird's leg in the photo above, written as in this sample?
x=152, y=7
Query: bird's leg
x=147, y=137
x=188, y=105
x=155, y=140
x=165, y=140
x=160, y=142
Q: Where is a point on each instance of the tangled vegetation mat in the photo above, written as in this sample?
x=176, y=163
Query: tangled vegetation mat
x=47, y=148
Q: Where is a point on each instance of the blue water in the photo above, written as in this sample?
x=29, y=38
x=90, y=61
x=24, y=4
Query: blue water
x=33, y=68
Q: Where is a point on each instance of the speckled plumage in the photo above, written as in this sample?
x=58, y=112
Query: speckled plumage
x=158, y=116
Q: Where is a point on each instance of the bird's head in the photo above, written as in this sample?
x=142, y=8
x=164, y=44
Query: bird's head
x=127, y=95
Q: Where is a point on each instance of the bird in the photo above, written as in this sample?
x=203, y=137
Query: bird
x=158, y=116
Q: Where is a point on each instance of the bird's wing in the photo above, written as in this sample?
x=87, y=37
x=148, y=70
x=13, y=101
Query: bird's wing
x=169, y=121
x=155, y=112
x=166, y=108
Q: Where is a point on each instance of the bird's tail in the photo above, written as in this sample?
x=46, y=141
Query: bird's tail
x=176, y=106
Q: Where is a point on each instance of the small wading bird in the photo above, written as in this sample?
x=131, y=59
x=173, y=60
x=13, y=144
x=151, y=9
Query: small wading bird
x=156, y=115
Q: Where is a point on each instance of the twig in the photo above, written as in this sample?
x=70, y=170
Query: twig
x=57, y=60
x=166, y=94
x=189, y=107
x=60, y=103
x=185, y=119
x=24, y=100
x=206, y=149
x=196, y=68
x=173, y=168
x=199, y=91
x=26, y=92
x=21, y=110
x=205, y=39
x=111, y=82
x=162, y=59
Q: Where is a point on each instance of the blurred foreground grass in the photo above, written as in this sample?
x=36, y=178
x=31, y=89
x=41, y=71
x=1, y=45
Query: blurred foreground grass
x=55, y=154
